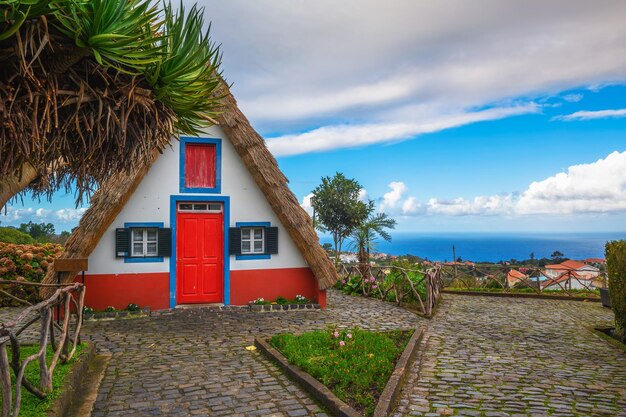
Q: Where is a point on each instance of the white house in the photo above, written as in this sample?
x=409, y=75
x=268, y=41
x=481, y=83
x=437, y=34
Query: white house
x=211, y=221
x=570, y=275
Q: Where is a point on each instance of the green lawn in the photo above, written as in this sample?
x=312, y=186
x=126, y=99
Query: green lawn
x=31, y=405
x=356, y=370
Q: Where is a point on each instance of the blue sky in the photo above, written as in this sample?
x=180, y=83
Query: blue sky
x=508, y=117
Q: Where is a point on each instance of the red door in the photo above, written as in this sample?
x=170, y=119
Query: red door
x=199, y=258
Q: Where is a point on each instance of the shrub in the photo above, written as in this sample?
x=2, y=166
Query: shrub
x=25, y=263
x=11, y=235
x=133, y=307
x=282, y=301
x=616, y=270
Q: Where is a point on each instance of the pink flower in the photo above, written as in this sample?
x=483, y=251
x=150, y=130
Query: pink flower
x=342, y=343
x=336, y=334
x=349, y=335
x=374, y=286
x=343, y=282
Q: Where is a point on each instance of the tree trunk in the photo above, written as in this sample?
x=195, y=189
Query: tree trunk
x=11, y=185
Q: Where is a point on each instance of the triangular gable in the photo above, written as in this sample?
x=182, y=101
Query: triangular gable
x=110, y=199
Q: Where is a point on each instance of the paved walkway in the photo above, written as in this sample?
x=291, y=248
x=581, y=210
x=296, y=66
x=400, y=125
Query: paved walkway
x=483, y=356
x=489, y=356
x=194, y=362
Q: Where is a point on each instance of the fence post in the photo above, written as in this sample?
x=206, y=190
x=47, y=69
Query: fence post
x=428, y=293
x=5, y=375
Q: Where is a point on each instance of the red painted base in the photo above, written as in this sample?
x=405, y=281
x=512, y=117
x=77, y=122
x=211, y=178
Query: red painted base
x=249, y=285
x=147, y=290
x=153, y=289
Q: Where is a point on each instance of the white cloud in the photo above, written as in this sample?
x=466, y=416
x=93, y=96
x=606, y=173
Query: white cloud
x=573, y=98
x=70, y=214
x=363, y=196
x=42, y=213
x=296, y=66
x=14, y=214
x=333, y=137
x=306, y=204
x=393, y=197
x=597, y=187
x=590, y=115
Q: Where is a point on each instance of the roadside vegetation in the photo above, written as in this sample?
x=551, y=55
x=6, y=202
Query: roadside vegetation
x=32, y=406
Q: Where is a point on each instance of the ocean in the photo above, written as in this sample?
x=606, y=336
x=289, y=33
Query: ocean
x=493, y=247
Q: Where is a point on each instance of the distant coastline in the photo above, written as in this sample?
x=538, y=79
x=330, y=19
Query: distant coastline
x=494, y=247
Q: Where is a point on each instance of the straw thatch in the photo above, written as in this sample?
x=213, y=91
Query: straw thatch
x=261, y=163
x=109, y=200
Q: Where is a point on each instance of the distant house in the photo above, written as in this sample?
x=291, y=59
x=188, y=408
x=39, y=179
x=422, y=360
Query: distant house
x=348, y=258
x=514, y=277
x=594, y=261
x=570, y=275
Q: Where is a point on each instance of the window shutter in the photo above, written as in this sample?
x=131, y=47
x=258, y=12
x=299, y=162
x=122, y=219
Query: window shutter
x=122, y=243
x=234, y=241
x=271, y=240
x=165, y=242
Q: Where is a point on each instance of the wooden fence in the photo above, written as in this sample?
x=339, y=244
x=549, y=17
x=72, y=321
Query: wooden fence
x=419, y=287
x=521, y=279
x=68, y=301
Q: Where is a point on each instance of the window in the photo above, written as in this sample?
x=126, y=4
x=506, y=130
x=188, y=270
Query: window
x=252, y=240
x=145, y=241
x=200, y=165
x=200, y=207
x=142, y=242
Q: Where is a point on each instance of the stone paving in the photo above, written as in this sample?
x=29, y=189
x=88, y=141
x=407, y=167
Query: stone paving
x=487, y=356
x=194, y=362
x=481, y=356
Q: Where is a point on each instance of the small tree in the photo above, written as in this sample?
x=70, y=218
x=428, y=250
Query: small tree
x=616, y=270
x=556, y=255
x=338, y=209
x=41, y=232
x=366, y=234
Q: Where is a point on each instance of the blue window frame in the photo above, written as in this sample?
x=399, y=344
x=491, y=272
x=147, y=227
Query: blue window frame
x=218, y=165
x=142, y=259
x=251, y=256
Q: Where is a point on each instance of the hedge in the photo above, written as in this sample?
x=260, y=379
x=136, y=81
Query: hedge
x=616, y=270
x=25, y=263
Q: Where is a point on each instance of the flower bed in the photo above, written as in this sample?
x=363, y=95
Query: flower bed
x=354, y=364
x=299, y=302
x=25, y=263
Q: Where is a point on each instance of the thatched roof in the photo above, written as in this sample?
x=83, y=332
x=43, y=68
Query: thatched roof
x=110, y=199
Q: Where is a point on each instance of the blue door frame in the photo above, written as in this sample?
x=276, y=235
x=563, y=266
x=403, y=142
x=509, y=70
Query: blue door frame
x=226, y=208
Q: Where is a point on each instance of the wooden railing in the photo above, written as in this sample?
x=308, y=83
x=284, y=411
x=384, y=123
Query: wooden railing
x=419, y=287
x=68, y=301
x=520, y=279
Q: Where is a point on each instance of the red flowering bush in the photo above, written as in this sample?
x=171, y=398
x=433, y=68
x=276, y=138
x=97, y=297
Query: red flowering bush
x=25, y=263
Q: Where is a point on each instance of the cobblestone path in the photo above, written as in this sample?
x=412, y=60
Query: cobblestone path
x=194, y=362
x=488, y=356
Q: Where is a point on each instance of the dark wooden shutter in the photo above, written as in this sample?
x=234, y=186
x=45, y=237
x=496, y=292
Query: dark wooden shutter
x=234, y=241
x=165, y=242
x=122, y=243
x=271, y=240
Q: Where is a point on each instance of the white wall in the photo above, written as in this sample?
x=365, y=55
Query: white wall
x=151, y=203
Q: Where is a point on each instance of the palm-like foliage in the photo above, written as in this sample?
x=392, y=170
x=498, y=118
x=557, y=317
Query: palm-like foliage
x=119, y=33
x=185, y=79
x=365, y=236
x=93, y=87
